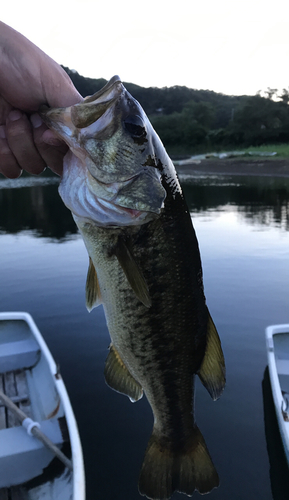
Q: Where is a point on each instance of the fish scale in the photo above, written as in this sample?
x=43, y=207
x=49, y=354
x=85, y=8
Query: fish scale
x=143, y=333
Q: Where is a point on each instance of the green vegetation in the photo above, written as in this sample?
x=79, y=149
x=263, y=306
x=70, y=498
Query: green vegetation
x=197, y=121
x=282, y=150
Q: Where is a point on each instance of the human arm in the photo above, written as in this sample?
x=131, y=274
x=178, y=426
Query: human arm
x=28, y=79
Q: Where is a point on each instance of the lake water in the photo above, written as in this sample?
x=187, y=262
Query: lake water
x=242, y=226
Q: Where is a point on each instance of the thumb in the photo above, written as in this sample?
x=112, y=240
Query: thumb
x=59, y=89
x=50, y=147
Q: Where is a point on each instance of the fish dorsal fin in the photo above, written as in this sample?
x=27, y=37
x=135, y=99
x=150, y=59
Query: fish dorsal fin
x=132, y=271
x=92, y=290
x=118, y=377
x=212, y=371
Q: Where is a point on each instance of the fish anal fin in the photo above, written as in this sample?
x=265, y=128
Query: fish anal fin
x=212, y=372
x=165, y=471
x=92, y=290
x=132, y=272
x=118, y=377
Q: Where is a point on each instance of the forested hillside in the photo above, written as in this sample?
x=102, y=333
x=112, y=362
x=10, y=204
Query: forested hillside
x=199, y=120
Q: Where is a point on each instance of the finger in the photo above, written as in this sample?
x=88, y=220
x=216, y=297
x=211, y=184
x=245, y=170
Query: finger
x=20, y=140
x=8, y=163
x=51, y=149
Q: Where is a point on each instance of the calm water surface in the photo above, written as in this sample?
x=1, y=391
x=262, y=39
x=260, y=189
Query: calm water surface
x=242, y=226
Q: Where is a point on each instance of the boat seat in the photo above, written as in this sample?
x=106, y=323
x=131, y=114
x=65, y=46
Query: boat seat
x=23, y=457
x=282, y=366
x=18, y=355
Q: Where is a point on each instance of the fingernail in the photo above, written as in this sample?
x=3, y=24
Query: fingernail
x=2, y=132
x=14, y=115
x=36, y=120
x=49, y=138
x=53, y=141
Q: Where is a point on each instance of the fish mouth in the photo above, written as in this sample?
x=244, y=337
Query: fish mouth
x=124, y=206
x=131, y=212
x=142, y=192
x=65, y=122
x=112, y=150
x=109, y=214
x=105, y=91
x=103, y=207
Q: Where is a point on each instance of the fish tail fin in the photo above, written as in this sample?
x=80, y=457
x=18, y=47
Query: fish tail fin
x=165, y=470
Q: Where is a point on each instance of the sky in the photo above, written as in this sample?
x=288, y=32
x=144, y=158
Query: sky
x=232, y=47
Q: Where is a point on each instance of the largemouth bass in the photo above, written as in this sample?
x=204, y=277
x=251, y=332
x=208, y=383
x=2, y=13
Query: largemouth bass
x=145, y=268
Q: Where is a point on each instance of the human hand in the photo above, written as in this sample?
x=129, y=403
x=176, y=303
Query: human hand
x=28, y=79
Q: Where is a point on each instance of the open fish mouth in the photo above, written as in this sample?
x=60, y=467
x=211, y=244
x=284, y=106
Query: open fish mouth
x=131, y=212
x=104, y=213
x=112, y=164
x=100, y=204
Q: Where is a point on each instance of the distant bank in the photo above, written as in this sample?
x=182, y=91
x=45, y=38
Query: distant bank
x=234, y=166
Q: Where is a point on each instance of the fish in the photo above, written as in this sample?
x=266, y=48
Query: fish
x=145, y=268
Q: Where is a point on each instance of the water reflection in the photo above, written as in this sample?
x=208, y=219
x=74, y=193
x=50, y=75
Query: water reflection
x=259, y=200
x=37, y=207
x=34, y=204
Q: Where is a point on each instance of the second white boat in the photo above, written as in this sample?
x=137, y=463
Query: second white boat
x=277, y=340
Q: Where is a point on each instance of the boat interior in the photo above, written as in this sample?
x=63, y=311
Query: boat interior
x=281, y=351
x=26, y=379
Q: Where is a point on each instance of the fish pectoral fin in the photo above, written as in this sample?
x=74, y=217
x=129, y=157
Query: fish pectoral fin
x=132, y=272
x=92, y=290
x=212, y=372
x=118, y=377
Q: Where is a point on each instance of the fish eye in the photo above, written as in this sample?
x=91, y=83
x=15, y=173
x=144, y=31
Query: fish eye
x=134, y=125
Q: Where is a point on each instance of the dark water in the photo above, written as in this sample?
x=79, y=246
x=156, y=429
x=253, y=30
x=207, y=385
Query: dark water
x=243, y=230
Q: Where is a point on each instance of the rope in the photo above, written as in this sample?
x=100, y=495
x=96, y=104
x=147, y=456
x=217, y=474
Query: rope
x=33, y=428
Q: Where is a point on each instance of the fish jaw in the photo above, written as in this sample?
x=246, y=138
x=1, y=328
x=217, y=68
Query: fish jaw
x=87, y=207
x=112, y=159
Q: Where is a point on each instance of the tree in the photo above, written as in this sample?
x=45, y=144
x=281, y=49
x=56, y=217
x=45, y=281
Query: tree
x=271, y=92
x=285, y=96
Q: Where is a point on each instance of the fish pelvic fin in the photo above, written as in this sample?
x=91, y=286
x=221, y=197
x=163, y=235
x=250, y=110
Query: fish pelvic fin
x=118, y=377
x=92, y=290
x=213, y=372
x=165, y=471
x=132, y=271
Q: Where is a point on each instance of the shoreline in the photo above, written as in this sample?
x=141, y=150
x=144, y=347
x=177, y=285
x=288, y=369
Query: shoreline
x=235, y=166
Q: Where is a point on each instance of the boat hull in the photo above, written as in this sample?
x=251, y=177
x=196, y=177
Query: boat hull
x=277, y=341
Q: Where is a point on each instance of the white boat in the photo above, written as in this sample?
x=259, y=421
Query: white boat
x=277, y=340
x=29, y=379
